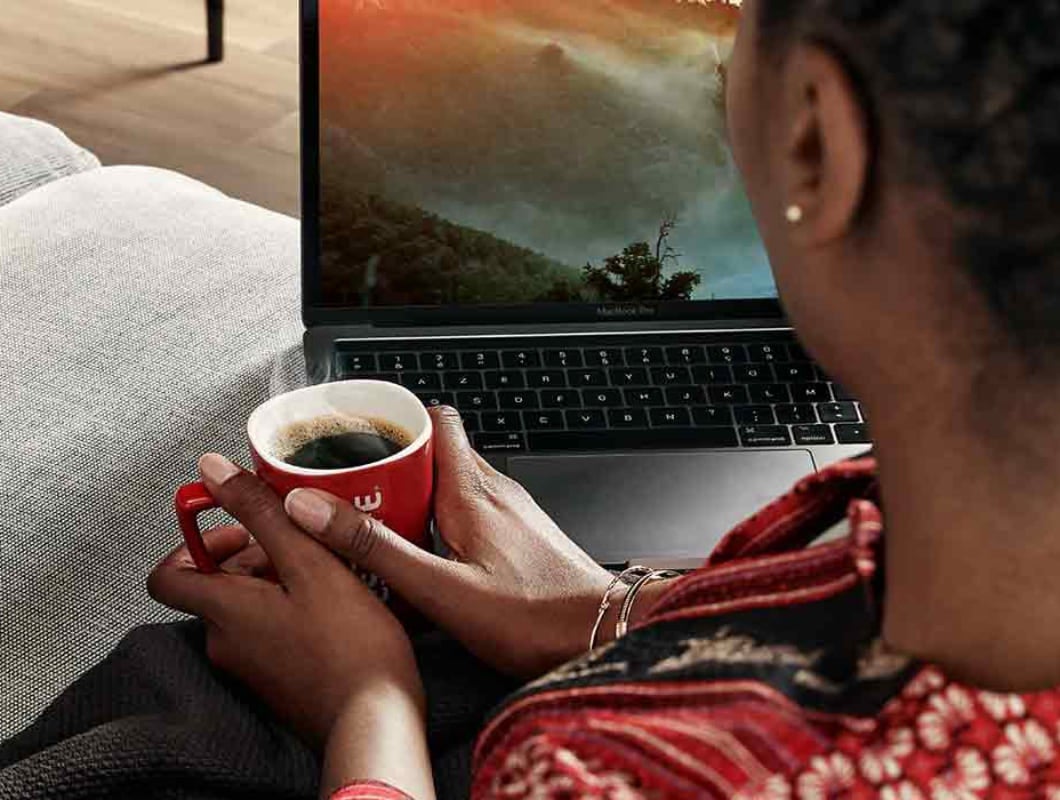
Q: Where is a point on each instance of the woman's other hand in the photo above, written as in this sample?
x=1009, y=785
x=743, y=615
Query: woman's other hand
x=518, y=593
x=290, y=620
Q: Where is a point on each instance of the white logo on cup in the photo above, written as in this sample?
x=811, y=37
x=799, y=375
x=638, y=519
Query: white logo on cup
x=369, y=503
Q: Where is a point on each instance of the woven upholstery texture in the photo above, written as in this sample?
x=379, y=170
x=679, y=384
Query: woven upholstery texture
x=33, y=153
x=143, y=315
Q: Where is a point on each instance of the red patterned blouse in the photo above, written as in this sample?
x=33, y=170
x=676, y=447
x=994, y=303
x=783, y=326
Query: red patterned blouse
x=762, y=676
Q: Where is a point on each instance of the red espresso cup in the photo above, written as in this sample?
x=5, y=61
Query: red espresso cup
x=396, y=490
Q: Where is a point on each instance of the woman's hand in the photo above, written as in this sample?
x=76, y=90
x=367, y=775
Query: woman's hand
x=518, y=593
x=291, y=621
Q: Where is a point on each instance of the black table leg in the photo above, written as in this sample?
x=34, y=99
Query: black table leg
x=215, y=30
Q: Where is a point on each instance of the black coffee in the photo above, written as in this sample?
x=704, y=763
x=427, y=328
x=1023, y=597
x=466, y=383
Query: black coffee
x=341, y=443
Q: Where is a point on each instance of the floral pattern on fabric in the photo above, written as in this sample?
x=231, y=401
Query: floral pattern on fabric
x=938, y=741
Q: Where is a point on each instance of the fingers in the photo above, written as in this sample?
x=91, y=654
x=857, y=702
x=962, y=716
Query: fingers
x=423, y=579
x=243, y=495
x=177, y=582
x=252, y=561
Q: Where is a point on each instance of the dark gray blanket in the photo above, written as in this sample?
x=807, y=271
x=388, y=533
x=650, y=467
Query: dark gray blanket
x=154, y=720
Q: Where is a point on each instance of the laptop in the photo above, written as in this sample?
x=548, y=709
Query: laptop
x=526, y=209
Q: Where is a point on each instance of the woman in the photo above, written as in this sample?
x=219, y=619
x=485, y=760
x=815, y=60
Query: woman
x=898, y=156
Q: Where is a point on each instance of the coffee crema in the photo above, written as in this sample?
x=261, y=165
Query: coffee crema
x=337, y=441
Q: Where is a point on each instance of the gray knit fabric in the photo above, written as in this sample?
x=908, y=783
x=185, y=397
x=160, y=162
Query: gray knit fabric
x=33, y=153
x=142, y=317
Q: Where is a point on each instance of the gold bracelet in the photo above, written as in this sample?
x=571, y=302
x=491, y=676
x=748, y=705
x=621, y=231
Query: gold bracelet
x=622, y=626
x=622, y=577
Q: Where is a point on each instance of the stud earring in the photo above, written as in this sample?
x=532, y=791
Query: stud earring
x=794, y=214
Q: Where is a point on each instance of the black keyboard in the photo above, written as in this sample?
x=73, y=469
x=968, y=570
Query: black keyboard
x=611, y=393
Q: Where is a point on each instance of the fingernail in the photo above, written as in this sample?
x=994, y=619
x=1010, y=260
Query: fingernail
x=309, y=510
x=217, y=469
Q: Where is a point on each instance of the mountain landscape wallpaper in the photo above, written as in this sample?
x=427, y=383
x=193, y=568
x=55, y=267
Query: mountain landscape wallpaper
x=513, y=151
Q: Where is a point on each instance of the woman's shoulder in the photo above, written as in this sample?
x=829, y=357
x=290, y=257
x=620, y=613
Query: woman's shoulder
x=763, y=675
x=745, y=668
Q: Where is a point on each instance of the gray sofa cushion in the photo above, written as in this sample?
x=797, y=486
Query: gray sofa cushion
x=33, y=153
x=142, y=316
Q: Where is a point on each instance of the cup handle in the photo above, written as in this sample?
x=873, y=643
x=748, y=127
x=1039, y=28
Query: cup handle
x=190, y=501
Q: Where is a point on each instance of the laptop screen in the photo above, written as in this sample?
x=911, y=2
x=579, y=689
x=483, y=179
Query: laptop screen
x=502, y=153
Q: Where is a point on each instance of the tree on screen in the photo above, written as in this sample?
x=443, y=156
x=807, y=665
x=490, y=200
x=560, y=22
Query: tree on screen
x=637, y=273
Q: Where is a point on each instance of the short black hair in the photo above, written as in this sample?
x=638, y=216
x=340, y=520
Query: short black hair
x=973, y=88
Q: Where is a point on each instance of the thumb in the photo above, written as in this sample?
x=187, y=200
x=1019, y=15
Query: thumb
x=459, y=467
x=421, y=578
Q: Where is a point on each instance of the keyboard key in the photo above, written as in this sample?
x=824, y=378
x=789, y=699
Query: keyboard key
x=446, y=361
x=686, y=355
x=656, y=438
x=810, y=393
x=670, y=417
x=588, y=377
x=421, y=381
x=671, y=376
x=853, y=434
x=520, y=359
x=841, y=394
x=765, y=436
x=766, y=353
x=712, y=374
x=813, y=434
x=586, y=418
x=645, y=356
x=471, y=421
x=475, y=401
x=563, y=358
x=838, y=412
x=728, y=395
x=398, y=362
x=796, y=415
x=560, y=398
x=480, y=359
x=546, y=378
x=712, y=416
x=521, y=399
x=390, y=377
x=644, y=397
x=630, y=376
x=499, y=442
x=500, y=421
x=686, y=396
x=754, y=415
x=435, y=399
x=769, y=393
x=350, y=364
x=628, y=418
x=727, y=354
x=753, y=373
x=543, y=420
x=604, y=357
x=463, y=380
x=795, y=373
x=796, y=353
x=505, y=380
x=602, y=397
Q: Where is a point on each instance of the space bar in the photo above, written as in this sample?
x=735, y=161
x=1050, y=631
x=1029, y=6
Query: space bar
x=660, y=438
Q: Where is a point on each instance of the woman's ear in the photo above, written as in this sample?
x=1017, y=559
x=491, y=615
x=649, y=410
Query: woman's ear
x=825, y=161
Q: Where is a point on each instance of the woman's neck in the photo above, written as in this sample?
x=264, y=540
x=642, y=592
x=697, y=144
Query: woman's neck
x=973, y=542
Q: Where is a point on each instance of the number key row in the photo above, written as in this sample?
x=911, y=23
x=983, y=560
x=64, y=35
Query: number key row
x=351, y=362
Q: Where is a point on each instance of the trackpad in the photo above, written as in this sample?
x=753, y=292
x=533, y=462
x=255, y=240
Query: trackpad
x=665, y=507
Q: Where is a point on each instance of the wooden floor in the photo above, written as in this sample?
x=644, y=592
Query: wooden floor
x=125, y=79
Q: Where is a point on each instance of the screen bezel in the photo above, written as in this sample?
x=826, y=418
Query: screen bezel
x=315, y=312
